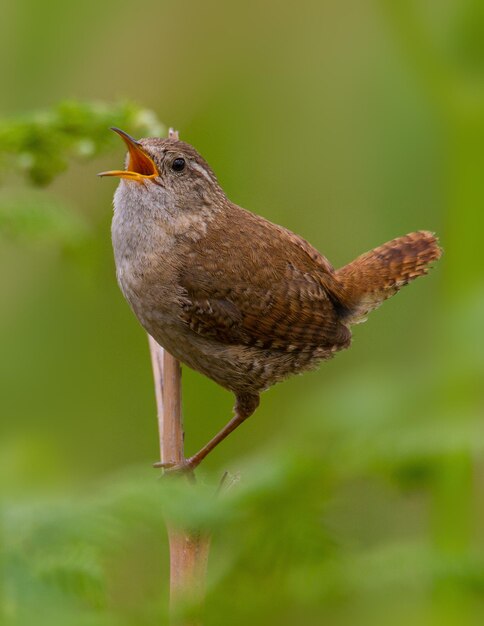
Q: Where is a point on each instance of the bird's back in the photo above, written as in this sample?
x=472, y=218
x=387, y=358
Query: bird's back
x=252, y=283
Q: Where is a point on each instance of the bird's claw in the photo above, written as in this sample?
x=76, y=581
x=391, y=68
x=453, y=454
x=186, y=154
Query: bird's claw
x=172, y=467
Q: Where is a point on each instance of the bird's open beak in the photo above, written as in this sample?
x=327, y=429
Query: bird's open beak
x=140, y=165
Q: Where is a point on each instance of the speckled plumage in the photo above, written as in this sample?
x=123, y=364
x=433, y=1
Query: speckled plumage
x=242, y=300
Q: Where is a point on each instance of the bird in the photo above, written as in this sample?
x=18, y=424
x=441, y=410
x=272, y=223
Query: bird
x=230, y=294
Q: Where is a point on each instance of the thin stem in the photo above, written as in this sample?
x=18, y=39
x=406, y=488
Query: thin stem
x=167, y=377
x=188, y=549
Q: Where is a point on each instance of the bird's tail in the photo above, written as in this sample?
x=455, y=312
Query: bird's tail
x=376, y=275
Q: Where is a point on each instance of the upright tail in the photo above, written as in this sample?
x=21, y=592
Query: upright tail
x=376, y=275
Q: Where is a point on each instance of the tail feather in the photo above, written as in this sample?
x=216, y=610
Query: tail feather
x=376, y=275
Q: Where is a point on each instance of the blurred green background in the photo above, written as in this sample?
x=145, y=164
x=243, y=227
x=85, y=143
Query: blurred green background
x=361, y=492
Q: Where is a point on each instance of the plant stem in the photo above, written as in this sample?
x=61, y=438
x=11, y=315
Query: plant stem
x=188, y=549
x=167, y=375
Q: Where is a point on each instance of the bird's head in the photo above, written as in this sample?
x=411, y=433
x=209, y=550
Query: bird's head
x=168, y=172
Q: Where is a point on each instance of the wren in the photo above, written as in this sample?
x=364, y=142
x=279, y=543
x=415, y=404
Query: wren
x=228, y=293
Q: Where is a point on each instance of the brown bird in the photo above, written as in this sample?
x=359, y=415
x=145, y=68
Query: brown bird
x=228, y=293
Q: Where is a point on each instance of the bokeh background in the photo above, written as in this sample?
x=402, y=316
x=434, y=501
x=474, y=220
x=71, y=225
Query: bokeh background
x=360, y=498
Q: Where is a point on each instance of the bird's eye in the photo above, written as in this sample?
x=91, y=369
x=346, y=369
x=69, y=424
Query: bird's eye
x=178, y=165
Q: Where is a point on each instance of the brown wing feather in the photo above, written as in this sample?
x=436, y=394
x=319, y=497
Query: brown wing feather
x=280, y=295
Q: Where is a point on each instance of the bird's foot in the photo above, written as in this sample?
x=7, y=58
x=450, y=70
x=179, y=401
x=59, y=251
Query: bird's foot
x=183, y=467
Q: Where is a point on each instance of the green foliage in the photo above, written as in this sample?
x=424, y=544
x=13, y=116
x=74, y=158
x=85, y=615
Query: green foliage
x=41, y=145
x=273, y=542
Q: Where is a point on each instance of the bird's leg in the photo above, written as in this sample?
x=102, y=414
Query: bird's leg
x=245, y=405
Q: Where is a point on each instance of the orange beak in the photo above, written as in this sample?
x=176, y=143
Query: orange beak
x=140, y=165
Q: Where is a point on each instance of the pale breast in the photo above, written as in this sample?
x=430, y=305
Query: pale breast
x=144, y=254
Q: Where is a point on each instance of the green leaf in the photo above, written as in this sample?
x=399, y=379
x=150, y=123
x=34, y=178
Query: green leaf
x=40, y=145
